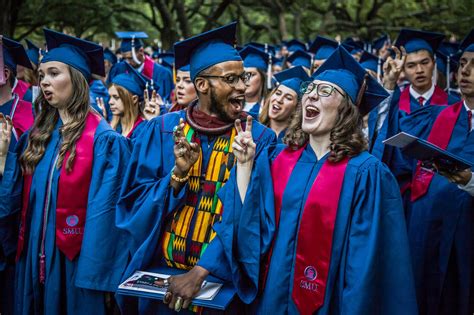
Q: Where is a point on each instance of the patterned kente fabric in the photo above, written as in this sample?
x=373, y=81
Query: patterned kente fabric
x=189, y=232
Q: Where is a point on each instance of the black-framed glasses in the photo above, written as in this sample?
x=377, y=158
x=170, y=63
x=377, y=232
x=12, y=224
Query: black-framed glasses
x=323, y=89
x=231, y=79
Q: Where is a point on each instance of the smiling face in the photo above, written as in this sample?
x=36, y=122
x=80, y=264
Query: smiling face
x=320, y=113
x=282, y=104
x=418, y=70
x=185, y=91
x=55, y=82
x=466, y=74
x=219, y=97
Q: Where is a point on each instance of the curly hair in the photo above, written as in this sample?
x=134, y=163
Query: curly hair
x=40, y=134
x=347, y=138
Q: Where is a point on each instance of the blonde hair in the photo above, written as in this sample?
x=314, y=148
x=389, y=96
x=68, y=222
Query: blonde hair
x=131, y=110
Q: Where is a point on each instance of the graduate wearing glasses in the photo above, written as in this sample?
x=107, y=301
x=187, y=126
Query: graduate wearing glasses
x=317, y=225
x=62, y=181
x=180, y=162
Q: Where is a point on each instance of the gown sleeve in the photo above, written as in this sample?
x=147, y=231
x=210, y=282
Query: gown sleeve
x=146, y=197
x=104, y=252
x=378, y=277
x=245, y=233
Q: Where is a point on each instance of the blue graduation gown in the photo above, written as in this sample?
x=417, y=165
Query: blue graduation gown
x=147, y=197
x=98, y=89
x=440, y=227
x=370, y=270
x=163, y=78
x=72, y=287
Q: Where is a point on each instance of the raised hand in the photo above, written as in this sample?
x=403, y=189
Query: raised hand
x=185, y=153
x=244, y=147
x=101, y=105
x=152, y=105
x=393, y=67
x=6, y=126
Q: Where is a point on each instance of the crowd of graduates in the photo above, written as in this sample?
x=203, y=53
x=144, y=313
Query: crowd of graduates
x=261, y=165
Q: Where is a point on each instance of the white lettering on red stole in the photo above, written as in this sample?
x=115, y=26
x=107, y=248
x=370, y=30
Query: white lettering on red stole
x=73, y=231
x=308, y=286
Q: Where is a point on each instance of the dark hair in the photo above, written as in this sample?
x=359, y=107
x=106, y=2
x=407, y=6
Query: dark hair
x=347, y=138
x=40, y=134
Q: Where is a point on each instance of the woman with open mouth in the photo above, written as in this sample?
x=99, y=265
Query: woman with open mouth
x=63, y=180
x=185, y=90
x=329, y=221
x=279, y=107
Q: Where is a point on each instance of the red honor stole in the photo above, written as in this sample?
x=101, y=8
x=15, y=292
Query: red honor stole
x=440, y=135
x=21, y=88
x=148, y=67
x=439, y=97
x=73, y=191
x=135, y=125
x=22, y=117
x=319, y=214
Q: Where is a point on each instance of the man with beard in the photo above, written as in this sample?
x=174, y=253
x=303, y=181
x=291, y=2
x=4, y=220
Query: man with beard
x=440, y=214
x=169, y=198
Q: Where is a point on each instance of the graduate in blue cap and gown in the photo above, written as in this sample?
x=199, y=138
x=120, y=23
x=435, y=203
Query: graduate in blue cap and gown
x=322, y=48
x=185, y=92
x=130, y=102
x=281, y=103
x=20, y=112
x=62, y=180
x=179, y=164
x=29, y=74
x=132, y=52
x=258, y=64
x=440, y=215
x=322, y=180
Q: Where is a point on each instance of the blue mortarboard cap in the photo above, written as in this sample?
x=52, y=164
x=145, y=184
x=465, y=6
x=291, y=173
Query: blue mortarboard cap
x=207, y=49
x=323, y=47
x=254, y=58
x=270, y=49
x=32, y=51
x=357, y=45
x=448, y=48
x=278, y=61
x=130, y=79
x=14, y=54
x=369, y=61
x=82, y=55
x=126, y=37
x=468, y=42
x=380, y=42
x=343, y=70
x=442, y=61
x=300, y=58
x=292, y=78
x=295, y=45
x=166, y=57
x=415, y=40
x=110, y=56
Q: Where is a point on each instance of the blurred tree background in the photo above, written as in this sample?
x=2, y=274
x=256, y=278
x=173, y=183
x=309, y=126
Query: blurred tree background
x=167, y=21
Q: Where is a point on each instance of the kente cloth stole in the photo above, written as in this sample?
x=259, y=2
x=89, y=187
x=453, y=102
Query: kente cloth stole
x=439, y=97
x=440, y=135
x=189, y=232
x=72, y=197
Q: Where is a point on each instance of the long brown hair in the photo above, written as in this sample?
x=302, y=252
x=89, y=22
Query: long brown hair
x=131, y=110
x=40, y=134
x=347, y=138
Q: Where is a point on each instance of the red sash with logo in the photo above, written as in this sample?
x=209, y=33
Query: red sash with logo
x=72, y=198
x=135, y=125
x=439, y=97
x=440, y=135
x=319, y=214
x=148, y=67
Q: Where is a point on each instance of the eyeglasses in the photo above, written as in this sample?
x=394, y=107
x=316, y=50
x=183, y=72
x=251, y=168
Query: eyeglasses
x=231, y=79
x=323, y=89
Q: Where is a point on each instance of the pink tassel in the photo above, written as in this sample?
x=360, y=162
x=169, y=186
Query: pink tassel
x=42, y=270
